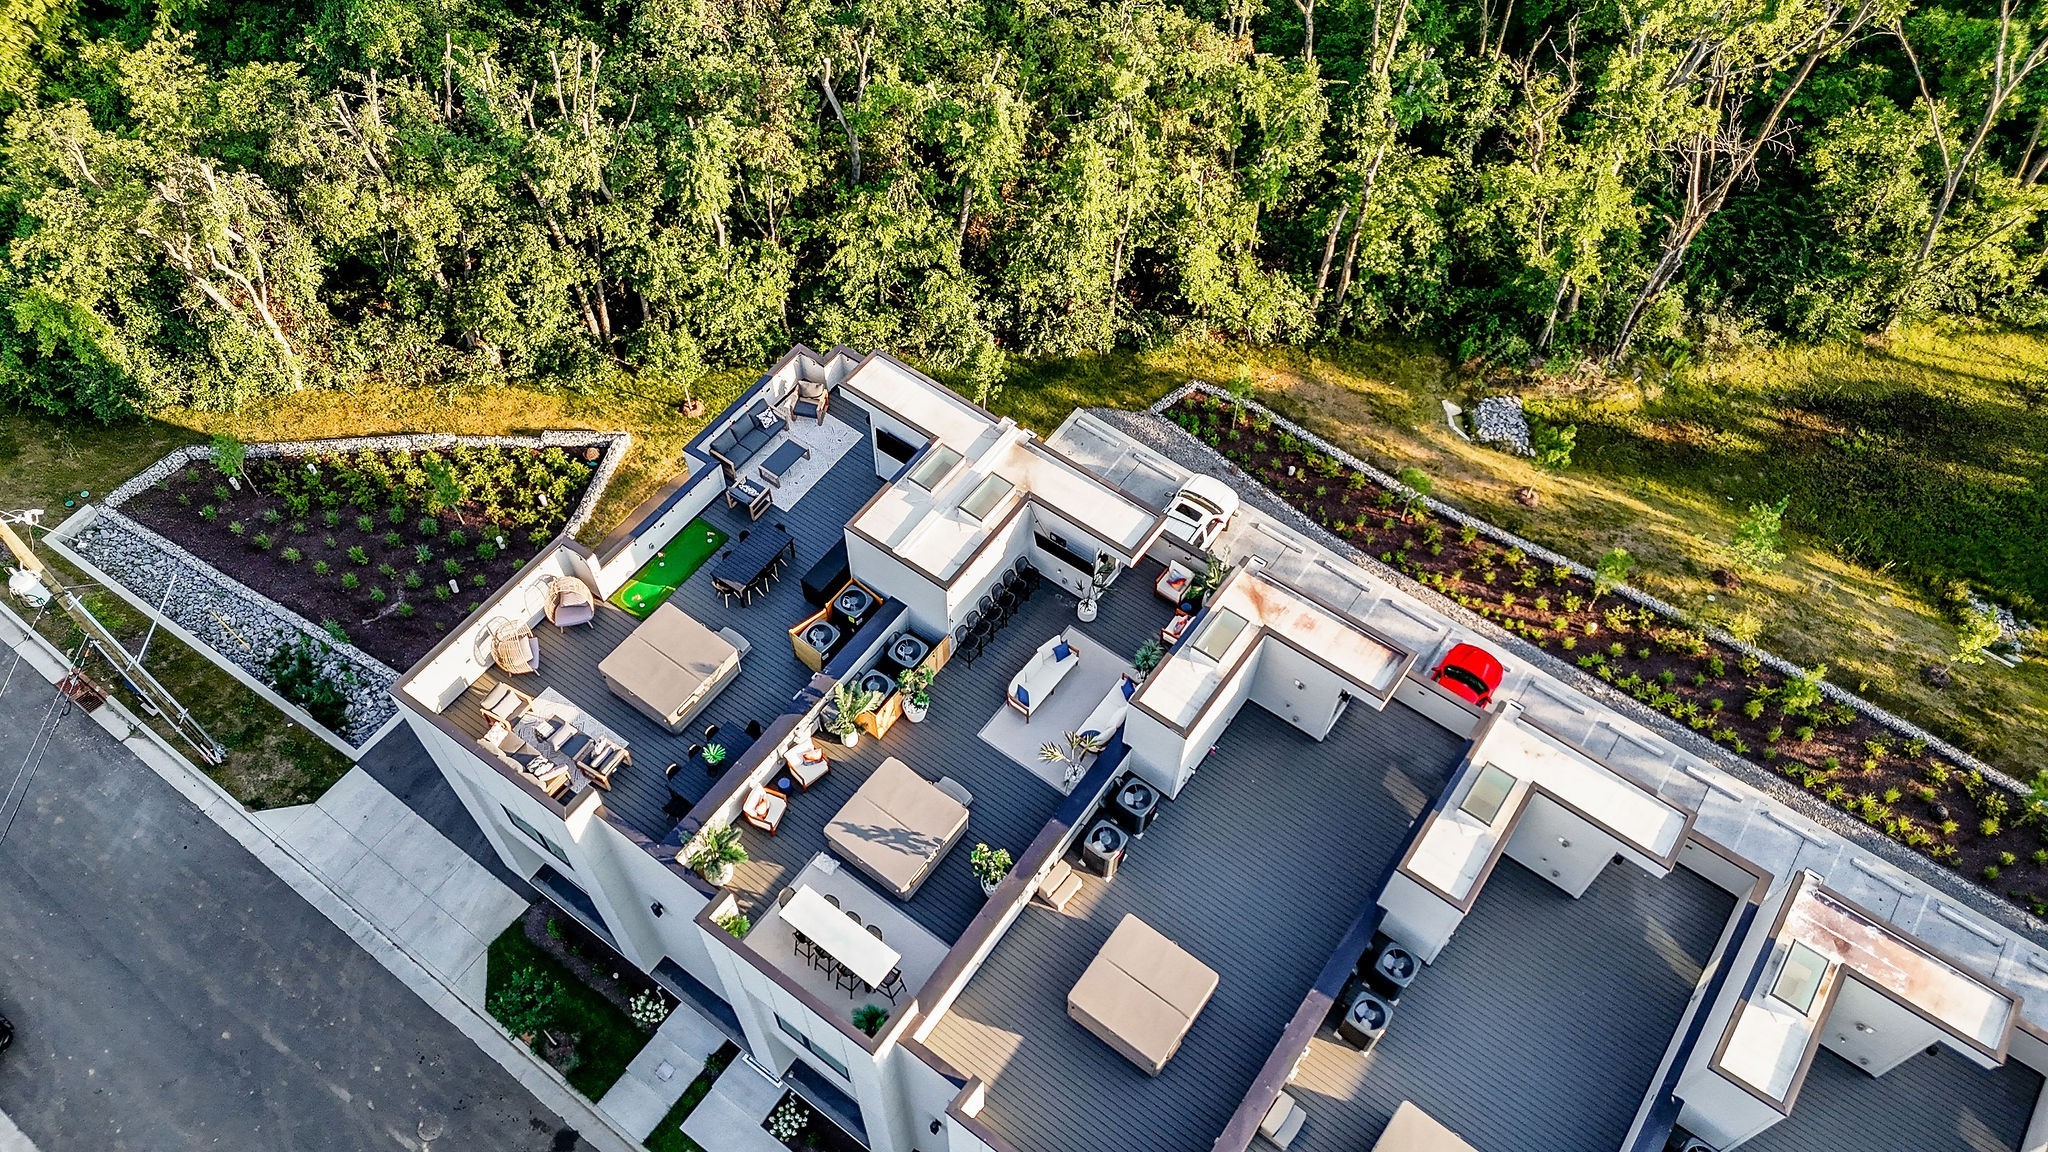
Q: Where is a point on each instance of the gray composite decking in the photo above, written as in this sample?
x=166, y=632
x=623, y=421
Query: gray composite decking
x=1257, y=870
x=769, y=674
x=1938, y=1103
x=1540, y=1025
x=1010, y=804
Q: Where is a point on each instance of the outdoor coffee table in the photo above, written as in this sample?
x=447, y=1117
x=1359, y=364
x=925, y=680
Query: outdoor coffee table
x=749, y=495
x=780, y=461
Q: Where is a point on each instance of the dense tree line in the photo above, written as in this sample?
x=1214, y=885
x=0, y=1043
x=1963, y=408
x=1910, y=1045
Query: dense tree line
x=213, y=200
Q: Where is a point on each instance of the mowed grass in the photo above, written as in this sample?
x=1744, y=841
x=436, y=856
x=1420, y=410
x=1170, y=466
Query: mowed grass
x=1666, y=470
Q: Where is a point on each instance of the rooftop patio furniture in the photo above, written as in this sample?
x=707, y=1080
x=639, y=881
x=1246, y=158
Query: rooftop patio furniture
x=786, y=456
x=751, y=562
x=749, y=493
x=1108, y=716
x=764, y=808
x=807, y=764
x=827, y=576
x=514, y=647
x=670, y=667
x=602, y=759
x=1173, y=583
x=956, y=790
x=745, y=437
x=1413, y=1130
x=502, y=738
x=505, y=702
x=569, y=602
x=1141, y=994
x=840, y=936
x=896, y=828
x=892, y=985
x=1033, y=684
x=813, y=392
x=1060, y=886
x=1283, y=1121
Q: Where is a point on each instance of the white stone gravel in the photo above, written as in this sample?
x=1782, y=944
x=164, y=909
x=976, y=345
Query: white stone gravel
x=1500, y=421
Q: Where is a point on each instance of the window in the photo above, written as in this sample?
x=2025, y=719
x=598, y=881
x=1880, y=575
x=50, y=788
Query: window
x=1799, y=978
x=539, y=839
x=893, y=446
x=1056, y=546
x=986, y=496
x=934, y=468
x=824, y=1057
x=1219, y=633
x=1487, y=794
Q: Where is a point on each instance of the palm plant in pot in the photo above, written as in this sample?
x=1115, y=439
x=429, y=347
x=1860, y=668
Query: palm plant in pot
x=1098, y=583
x=916, y=686
x=990, y=866
x=715, y=852
x=849, y=702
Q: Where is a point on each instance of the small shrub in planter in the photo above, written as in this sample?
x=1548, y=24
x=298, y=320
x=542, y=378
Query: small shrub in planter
x=649, y=1009
x=869, y=1018
x=207, y=513
x=262, y=541
x=291, y=555
x=299, y=673
x=456, y=538
x=366, y=523
x=405, y=610
x=787, y=1120
x=736, y=925
x=319, y=567
x=351, y=581
x=356, y=554
x=378, y=596
x=452, y=566
x=414, y=580
x=392, y=539
x=236, y=527
x=387, y=571
x=421, y=554
x=486, y=551
x=331, y=518
x=441, y=592
x=428, y=526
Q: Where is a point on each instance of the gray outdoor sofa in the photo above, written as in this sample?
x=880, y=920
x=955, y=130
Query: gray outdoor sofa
x=744, y=438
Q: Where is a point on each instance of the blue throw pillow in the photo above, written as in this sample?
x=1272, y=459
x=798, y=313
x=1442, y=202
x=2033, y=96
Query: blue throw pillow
x=1023, y=697
x=1129, y=686
x=1062, y=652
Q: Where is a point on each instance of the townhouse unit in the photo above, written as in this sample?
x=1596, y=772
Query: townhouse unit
x=1269, y=882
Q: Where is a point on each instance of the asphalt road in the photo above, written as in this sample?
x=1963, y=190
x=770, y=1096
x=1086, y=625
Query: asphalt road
x=169, y=992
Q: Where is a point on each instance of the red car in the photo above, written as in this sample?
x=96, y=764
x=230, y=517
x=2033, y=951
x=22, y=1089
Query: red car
x=1470, y=672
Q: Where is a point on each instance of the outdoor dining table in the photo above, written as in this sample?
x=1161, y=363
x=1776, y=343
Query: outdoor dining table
x=750, y=561
x=842, y=939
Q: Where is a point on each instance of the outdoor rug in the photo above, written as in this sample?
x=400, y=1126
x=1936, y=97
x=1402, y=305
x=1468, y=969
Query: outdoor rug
x=828, y=442
x=1071, y=703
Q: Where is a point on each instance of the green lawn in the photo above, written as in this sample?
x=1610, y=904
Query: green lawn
x=607, y=1039
x=668, y=1135
x=697, y=542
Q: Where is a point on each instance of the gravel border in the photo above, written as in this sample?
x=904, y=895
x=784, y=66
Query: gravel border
x=1155, y=431
x=244, y=627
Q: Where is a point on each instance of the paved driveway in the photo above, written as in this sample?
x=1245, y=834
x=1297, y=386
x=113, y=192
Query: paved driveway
x=170, y=993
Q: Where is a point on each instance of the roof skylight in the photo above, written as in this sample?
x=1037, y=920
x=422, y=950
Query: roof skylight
x=986, y=496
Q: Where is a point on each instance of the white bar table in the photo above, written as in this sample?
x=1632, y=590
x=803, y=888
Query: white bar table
x=834, y=931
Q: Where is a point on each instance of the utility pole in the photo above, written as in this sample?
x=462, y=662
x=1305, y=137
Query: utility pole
x=129, y=666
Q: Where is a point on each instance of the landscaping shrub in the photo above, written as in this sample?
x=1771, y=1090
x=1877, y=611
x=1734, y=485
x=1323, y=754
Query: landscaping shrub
x=299, y=674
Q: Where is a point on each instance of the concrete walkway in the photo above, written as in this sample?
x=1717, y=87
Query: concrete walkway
x=11, y=1139
x=655, y=1080
x=729, y=1119
x=425, y=893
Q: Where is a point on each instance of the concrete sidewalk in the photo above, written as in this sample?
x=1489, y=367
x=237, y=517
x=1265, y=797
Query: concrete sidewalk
x=730, y=1117
x=11, y=1139
x=441, y=906
x=655, y=1080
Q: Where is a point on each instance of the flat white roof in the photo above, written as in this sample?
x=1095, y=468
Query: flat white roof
x=1454, y=850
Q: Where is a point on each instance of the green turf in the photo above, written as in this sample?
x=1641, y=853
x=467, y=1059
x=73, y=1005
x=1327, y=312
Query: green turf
x=696, y=543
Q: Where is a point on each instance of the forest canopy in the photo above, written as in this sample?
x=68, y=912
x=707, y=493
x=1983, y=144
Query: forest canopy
x=211, y=201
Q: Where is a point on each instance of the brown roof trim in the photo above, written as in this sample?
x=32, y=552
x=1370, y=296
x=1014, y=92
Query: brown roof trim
x=1761, y=876
x=981, y=1131
x=447, y=728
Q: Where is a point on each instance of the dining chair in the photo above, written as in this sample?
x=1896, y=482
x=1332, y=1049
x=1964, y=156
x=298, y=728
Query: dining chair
x=823, y=962
x=782, y=897
x=845, y=978
x=804, y=947
x=892, y=984
x=853, y=916
x=831, y=899
x=874, y=931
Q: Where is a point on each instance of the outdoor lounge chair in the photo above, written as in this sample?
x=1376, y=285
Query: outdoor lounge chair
x=569, y=602
x=813, y=396
x=505, y=703
x=514, y=648
x=764, y=807
x=1033, y=684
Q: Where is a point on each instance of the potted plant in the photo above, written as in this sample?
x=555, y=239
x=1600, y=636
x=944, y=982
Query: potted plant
x=869, y=1018
x=990, y=866
x=1098, y=583
x=715, y=852
x=849, y=702
x=1148, y=656
x=916, y=686
x=714, y=755
x=1199, y=588
x=1078, y=748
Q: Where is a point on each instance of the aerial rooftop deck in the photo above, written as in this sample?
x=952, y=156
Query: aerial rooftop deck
x=1010, y=804
x=1539, y=1027
x=769, y=676
x=1939, y=1101
x=1257, y=870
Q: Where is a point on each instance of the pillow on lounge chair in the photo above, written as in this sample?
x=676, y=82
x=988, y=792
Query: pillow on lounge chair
x=1063, y=651
x=767, y=420
x=1023, y=697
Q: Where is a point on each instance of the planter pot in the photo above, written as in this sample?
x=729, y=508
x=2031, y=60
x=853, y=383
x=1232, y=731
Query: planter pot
x=851, y=738
x=915, y=713
x=1086, y=612
x=988, y=889
x=720, y=876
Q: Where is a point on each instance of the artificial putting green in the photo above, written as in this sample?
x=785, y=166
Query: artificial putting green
x=696, y=543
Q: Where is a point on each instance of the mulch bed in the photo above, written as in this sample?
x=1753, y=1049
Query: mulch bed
x=592, y=960
x=1953, y=815
x=499, y=489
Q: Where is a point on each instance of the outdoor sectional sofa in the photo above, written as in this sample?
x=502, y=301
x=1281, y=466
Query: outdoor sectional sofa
x=744, y=438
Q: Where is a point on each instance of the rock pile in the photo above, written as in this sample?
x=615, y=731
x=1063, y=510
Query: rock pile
x=1498, y=420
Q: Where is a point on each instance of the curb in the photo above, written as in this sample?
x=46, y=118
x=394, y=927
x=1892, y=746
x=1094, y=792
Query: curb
x=213, y=801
